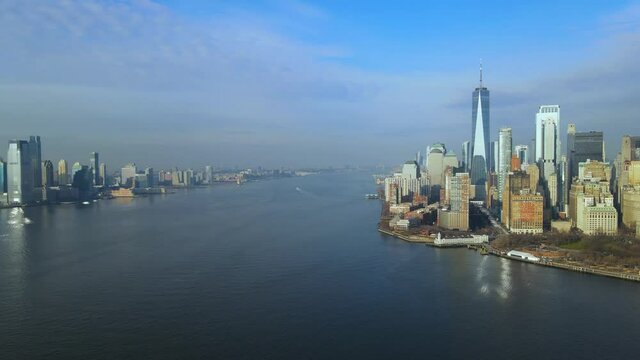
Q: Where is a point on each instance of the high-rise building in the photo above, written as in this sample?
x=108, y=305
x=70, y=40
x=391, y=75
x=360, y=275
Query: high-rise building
x=630, y=196
x=94, y=164
x=515, y=163
x=20, y=178
x=63, y=172
x=438, y=160
x=514, y=182
x=548, y=147
x=527, y=212
x=47, y=173
x=151, y=178
x=74, y=169
x=3, y=177
x=103, y=174
x=208, y=174
x=435, y=162
x=494, y=154
x=550, y=156
x=129, y=171
x=534, y=177
x=522, y=152
x=504, y=157
x=35, y=153
x=456, y=214
x=466, y=156
x=480, y=125
x=629, y=151
x=582, y=146
x=411, y=170
x=630, y=148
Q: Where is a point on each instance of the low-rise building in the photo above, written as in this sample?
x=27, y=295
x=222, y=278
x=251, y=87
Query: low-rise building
x=599, y=219
x=591, y=206
x=469, y=240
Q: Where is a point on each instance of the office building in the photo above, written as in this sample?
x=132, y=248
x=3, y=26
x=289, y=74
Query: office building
x=526, y=212
x=630, y=194
x=522, y=152
x=127, y=174
x=103, y=174
x=515, y=163
x=407, y=186
x=35, y=153
x=74, y=170
x=411, y=170
x=3, y=177
x=466, y=156
x=151, y=178
x=438, y=160
x=19, y=173
x=590, y=200
x=455, y=215
x=494, y=154
x=504, y=157
x=47, y=173
x=94, y=164
x=582, y=146
x=480, y=125
x=208, y=174
x=548, y=147
x=63, y=172
x=514, y=183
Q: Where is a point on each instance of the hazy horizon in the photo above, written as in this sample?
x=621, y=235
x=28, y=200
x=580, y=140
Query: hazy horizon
x=300, y=84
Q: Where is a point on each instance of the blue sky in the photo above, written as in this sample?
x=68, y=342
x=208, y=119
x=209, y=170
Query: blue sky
x=293, y=83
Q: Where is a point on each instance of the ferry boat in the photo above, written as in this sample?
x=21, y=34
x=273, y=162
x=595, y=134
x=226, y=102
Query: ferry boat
x=372, y=196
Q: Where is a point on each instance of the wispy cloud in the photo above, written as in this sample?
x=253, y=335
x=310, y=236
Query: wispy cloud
x=233, y=88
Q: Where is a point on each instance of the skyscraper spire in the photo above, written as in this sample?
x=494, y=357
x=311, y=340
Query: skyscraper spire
x=481, y=73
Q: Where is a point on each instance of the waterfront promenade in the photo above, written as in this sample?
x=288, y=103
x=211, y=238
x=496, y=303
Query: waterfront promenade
x=558, y=265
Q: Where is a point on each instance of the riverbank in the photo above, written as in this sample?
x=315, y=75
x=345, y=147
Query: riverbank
x=558, y=265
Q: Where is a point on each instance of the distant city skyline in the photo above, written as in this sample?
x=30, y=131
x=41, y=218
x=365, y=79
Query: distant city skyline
x=291, y=83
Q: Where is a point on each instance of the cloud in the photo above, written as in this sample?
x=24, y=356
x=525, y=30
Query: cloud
x=233, y=88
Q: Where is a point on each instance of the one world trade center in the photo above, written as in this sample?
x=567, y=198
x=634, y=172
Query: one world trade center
x=480, y=138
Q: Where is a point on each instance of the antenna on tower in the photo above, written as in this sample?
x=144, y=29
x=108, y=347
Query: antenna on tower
x=481, y=73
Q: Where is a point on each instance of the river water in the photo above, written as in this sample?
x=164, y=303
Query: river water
x=283, y=269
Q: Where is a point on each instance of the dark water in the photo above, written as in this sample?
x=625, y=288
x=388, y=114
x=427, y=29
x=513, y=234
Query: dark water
x=265, y=271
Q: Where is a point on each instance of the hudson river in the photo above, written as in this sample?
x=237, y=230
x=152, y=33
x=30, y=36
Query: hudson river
x=283, y=269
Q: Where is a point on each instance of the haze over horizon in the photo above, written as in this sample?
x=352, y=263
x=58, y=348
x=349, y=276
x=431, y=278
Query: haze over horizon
x=292, y=83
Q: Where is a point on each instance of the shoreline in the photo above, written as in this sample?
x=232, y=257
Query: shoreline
x=568, y=267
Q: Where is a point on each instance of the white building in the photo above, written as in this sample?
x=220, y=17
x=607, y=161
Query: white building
x=129, y=171
x=547, y=134
x=504, y=158
x=19, y=173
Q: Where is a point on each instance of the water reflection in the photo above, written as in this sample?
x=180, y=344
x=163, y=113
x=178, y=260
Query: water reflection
x=489, y=285
x=17, y=218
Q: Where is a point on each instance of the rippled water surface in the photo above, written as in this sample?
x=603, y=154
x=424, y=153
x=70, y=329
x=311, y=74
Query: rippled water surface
x=284, y=269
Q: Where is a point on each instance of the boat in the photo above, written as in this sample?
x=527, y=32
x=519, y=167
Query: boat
x=371, y=196
x=85, y=203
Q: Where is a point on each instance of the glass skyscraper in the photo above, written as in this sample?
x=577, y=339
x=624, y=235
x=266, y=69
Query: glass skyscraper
x=19, y=173
x=480, y=123
x=582, y=146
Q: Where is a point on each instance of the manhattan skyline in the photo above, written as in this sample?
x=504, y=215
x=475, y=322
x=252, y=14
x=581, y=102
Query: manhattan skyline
x=289, y=83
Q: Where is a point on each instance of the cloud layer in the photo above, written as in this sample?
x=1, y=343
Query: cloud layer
x=140, y=82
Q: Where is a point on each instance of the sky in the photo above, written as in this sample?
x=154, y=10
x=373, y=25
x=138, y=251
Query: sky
x=306, y=84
